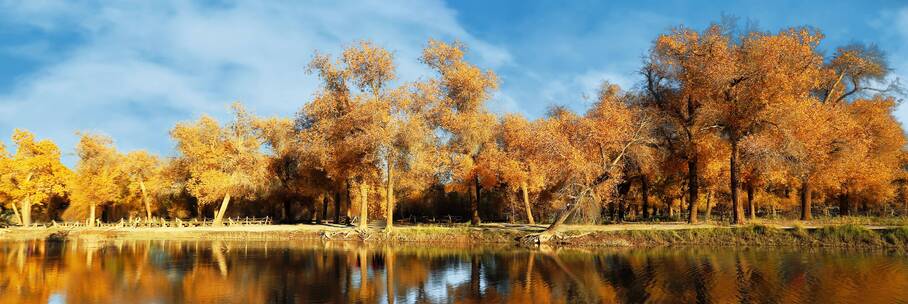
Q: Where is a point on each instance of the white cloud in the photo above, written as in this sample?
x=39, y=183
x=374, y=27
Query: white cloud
x=503, y=103
x=141, y=66
x=591, y=81
x=899, y=62
x=579, y=90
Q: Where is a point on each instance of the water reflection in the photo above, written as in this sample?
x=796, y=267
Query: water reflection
x=302, y=272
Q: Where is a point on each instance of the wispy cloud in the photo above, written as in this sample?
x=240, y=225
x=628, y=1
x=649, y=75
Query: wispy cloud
x=895, y=25
x=141, y=66
x=132, y=69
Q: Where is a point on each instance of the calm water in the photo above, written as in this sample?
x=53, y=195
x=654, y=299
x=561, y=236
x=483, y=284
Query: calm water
x=282, y=272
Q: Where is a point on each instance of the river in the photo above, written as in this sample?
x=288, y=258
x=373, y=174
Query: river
x=338, y=272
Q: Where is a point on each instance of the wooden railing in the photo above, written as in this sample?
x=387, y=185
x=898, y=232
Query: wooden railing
x=159, y=222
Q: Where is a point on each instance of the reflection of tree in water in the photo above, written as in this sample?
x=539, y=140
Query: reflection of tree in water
x=260, y=272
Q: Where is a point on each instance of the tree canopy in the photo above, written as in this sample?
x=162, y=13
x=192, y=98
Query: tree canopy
x=716, y=113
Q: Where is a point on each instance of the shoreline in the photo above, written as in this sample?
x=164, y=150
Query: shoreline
x=580, y=236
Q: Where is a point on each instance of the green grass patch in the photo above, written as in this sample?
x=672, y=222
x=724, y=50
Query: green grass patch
x=848, y=234
x=763, y=235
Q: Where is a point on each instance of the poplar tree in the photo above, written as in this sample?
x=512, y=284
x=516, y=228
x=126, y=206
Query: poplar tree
x=222, y=162
x=98, y=172
x=32, y=175
x=460, y=111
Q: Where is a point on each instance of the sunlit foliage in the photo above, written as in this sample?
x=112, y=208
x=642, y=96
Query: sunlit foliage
x=716, y=112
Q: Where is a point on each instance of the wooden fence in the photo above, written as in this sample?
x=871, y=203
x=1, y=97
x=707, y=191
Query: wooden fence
x=160, y=222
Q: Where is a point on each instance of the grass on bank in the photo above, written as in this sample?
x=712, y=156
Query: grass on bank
x=838, y=220
x=847, y=235
x=822, y=233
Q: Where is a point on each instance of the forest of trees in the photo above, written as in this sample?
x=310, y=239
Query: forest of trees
x=723, y=125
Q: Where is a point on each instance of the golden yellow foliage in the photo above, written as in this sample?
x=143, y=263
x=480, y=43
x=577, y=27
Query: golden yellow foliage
x=222, y=162
x=97, y=174
x=459, y=109
x=32, y=175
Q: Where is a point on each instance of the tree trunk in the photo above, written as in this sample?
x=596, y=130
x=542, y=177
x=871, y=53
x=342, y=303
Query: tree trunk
x=692, y=187
x=474, y=205
x=389, y=214
x=287, y=212
x=313, y=210
x=26, y=216
x=805, y=200
x=91, y=215
x=145, y=199
x=644, y=194
x=16, y=212
x=325, y=198
x=733, y=164
x=526, y=203
x=363, y=206
x=751, y=211
x=510, y=215
x=709, y=205
x=564, y=215
x=844, y=204
x=579, y=199
x=349, y=208
x=337, y=206
x=681, y=204
x=26, y=212
x=349, y=199
x=219, y=218
x=623, y=189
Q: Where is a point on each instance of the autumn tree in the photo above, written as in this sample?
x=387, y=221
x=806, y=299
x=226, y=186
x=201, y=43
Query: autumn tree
x=756, y=79
x=97, y=174
x=5, y=170
x=714, y=155
x=855, y=70
x=321, y=129
x=291, y=171
x=759, y=168
x=223, y=162
x=871, y=162
x=810, y=155
x=763, y=111
x=678, y=75
x=346, y=128
x=459, y=109
x=174, y=194
x=141, y=178
x=7, y=185
x=370, y=68
x=521, y=165
x=409, y=147
x=592, y=148
x=857, y=81
x=637, y=165
x=32, y=175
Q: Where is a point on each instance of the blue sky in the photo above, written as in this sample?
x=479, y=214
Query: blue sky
x=132, y=69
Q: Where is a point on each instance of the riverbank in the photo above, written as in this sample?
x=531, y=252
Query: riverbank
x=622, y=235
